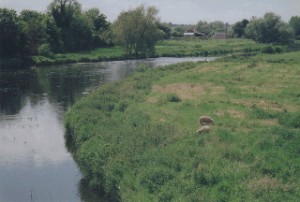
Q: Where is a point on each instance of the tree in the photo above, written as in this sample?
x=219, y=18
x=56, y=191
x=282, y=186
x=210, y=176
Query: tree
x=137, y=31
x=295, y=24
x=54, y=35
x=33, y=26
x=165, y=29
x=10, y=33
x=99, y=25
x=269, y=29
x=217, y=26
x=70, y=27
x=210, y=29
x=203, y=27
x=239, y=28
x=97, y=20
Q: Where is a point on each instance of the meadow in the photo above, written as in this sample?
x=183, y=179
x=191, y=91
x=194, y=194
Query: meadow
x=136, y=139
x=166, y=48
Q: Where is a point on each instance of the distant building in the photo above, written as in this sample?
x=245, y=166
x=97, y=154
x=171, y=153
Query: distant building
x=193, y=33
x=220, y=35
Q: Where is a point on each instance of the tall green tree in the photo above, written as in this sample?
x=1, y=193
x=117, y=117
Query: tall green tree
x=269, y=29
x=33, y=26
x=165, y=29
x=295, y=24
x=239, y=28
x=70, y=27
x=137, y=31
x=99, y=25
x=54, y=35
x=10, y=33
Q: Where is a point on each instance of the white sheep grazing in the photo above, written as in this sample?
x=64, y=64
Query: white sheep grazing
x=204, y=129
x=205, y=120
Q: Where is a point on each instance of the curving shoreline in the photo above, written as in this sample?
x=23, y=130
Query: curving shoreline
x=137, y=139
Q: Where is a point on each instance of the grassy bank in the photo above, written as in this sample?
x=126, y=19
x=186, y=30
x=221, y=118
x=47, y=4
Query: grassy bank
x=170, y=48
x=137, y=139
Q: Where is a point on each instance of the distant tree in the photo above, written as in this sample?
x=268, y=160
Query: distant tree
x=203, y=27
x=10, y=34
x=97, y=19
x=33, y=26
x=54, y=35
x=179, y=31
x=70, y=24
x=63, y=11
x=81, y=37
x=269, y=29
x=99, y=25
x=295, y=24
x=217, y=26
x=238, y=28
x=210, y=29
x=137, y=30
x=165, y=29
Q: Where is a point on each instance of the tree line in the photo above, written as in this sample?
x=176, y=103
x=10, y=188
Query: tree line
x=268, y=29
x=65, y=27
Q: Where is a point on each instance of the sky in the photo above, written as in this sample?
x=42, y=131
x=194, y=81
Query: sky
x=180, y=11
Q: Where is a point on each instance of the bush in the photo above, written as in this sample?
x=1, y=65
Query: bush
x=268, y=49
x=44, y=50
x=172, y=97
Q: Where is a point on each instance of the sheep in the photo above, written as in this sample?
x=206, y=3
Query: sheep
x=206, y=120
x=204, y=129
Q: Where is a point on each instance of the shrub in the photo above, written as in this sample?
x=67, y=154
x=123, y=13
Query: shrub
x=172, y=97
x=268, y=49
x=44, y=50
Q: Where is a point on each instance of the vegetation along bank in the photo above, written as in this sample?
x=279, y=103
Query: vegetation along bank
x=137, y=139
x=67, y=33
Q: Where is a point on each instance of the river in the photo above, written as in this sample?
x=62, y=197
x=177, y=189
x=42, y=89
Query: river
x=35, y=164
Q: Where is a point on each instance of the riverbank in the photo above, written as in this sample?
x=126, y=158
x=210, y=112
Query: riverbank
x=166, y=48
x=137, y=139
x=184, y=47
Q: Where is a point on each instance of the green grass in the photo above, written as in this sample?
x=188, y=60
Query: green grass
x=137, y=139
x=166, y=48
x=99, y=54
x=198, y=47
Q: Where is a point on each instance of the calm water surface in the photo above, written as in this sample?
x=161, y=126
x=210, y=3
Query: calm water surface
x=34, y=162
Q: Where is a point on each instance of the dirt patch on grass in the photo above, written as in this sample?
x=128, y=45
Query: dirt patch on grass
x=152, y=100
x=219, y=113
x=266, y=183
x=263, y=104
x=217, y=90
x=184, y=91
x=205, y=69
x=292, y=107
x=188, y=91
x=231, y=112
x=269, y=122
x=265, y=89
x=236, y=114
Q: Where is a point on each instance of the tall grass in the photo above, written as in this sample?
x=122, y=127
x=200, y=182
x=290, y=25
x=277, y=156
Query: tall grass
x=137, y=139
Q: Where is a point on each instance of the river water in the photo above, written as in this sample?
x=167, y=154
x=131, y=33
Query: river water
x=34, y=162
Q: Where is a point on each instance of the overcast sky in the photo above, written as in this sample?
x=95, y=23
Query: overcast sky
x=180, y=11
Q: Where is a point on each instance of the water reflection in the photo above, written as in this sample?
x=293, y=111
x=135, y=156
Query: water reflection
x=34, y=163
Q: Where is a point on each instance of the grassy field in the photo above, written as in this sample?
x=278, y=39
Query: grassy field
x=137, y=139
x=173, y=48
